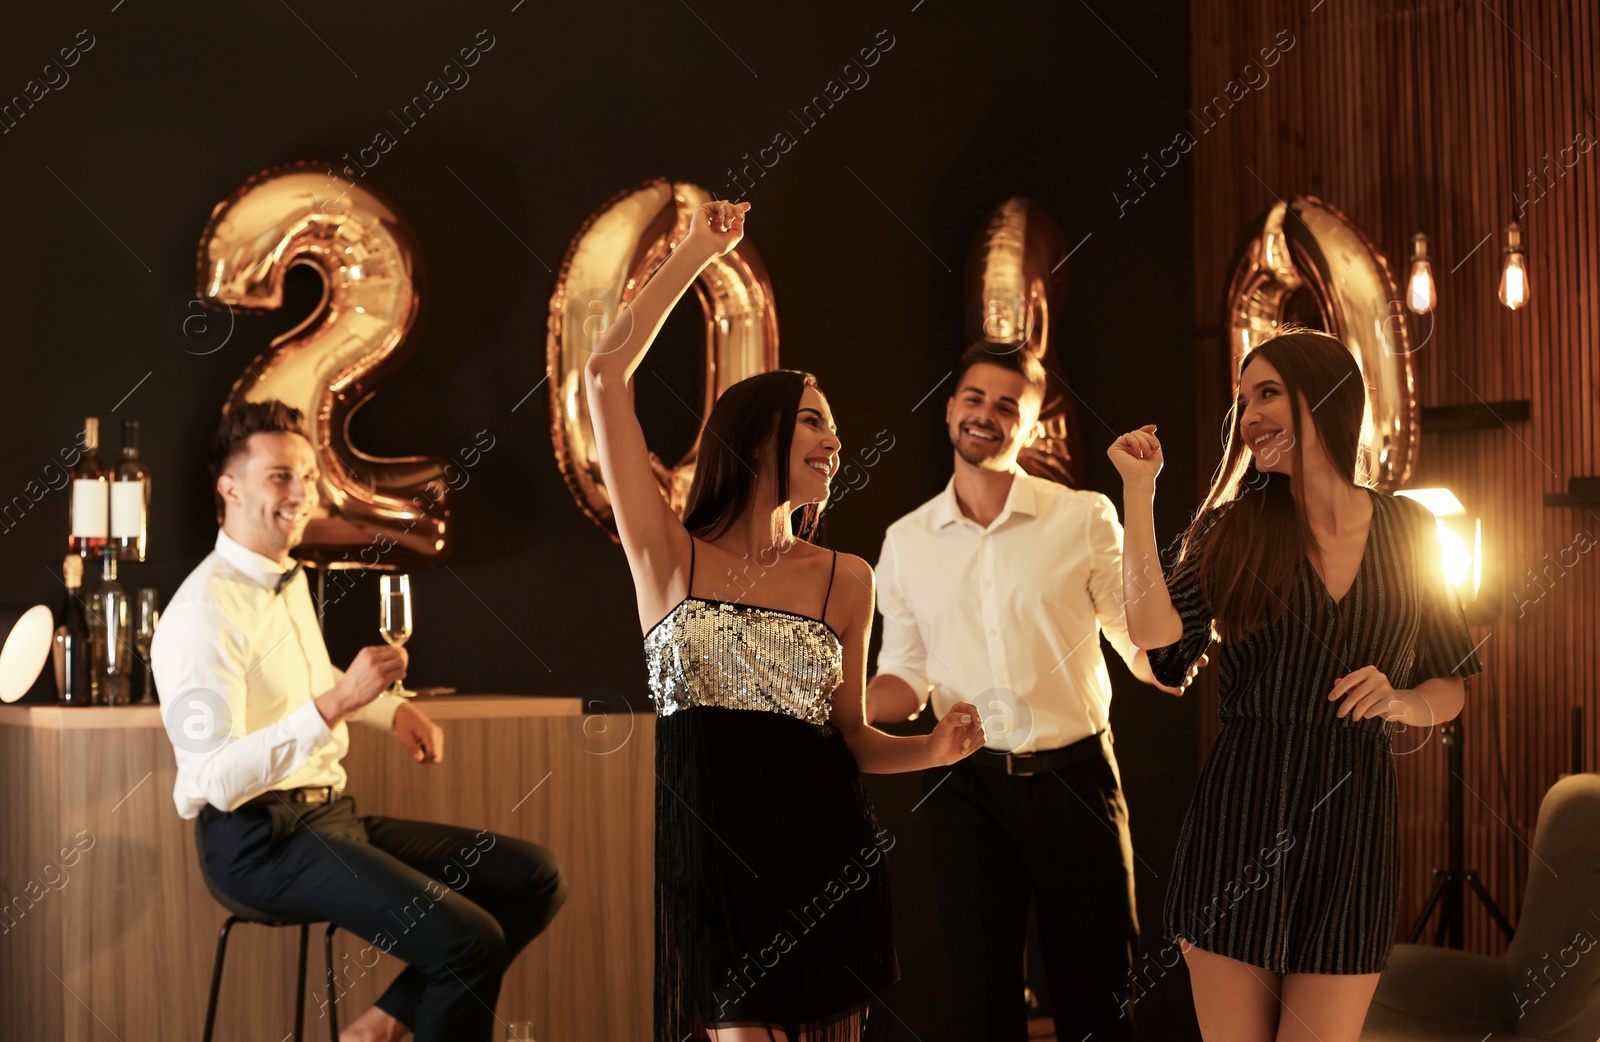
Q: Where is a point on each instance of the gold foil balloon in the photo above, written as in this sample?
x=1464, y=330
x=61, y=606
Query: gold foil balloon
x=1304, y=261
x=608, y=261
x=1016, y=279
x=383, y=513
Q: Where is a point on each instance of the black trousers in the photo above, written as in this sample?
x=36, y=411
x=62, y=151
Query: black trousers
x=1060, y=838
x=455, y=904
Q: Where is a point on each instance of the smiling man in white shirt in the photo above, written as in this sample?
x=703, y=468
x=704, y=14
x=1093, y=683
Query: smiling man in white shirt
x=257, y=715
x=996, y=591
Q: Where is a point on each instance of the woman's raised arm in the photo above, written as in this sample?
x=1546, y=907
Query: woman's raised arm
x=651, y=534
x=1152, y=620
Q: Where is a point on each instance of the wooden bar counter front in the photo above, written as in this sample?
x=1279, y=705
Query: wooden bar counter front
x=107, y=930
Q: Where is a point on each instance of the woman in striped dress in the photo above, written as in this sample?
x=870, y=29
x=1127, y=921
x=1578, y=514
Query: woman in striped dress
x=1335, y=620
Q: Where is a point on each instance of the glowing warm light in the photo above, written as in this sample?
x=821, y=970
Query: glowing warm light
x=1460, y=538
x=1441, y=502
x=1514, y=289
x=1454, y=556
x=1421, y=295
x=1514, y=282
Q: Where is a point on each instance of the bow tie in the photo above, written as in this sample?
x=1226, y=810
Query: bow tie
x=287, y=577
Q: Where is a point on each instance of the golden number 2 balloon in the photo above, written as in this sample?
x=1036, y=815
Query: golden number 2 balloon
x=608, y=261
x=1307, y=262
x=374, y=512
x=1016, y=278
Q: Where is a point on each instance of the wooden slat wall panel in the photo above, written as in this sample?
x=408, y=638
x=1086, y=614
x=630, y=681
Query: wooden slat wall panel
x=1337, y=120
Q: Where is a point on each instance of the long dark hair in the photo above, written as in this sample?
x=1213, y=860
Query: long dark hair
x=1251, y=533
x=752, y=412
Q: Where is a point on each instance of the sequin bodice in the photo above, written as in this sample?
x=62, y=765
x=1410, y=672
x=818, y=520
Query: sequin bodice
x=739, y=656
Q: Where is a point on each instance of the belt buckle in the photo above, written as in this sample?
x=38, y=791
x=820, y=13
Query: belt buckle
x=1011, y=764
x=318, y=796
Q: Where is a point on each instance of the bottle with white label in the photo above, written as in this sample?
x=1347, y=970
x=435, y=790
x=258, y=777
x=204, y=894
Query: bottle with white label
x=130, y=498
x=90, y=497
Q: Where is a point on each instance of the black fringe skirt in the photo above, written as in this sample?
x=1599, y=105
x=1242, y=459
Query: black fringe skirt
x=772, y=886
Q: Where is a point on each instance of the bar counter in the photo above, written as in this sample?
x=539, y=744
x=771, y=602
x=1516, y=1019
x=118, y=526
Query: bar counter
x=107, y=929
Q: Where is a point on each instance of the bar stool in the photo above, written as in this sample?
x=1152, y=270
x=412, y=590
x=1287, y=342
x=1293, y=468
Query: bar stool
x=244, y=914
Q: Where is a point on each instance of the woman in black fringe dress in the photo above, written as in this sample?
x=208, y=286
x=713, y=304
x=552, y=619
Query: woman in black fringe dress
x=772, y=898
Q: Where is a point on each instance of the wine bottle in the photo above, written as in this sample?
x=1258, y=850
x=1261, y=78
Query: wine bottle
x=90, y=493
x=130, y=498
x=110, y=634
x=74, y=657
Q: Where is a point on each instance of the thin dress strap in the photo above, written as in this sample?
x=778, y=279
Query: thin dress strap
x=689, y=590
x=825, y=596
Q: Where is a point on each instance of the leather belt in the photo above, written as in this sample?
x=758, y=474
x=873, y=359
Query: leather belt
x=1024, y=764
x=310, y=796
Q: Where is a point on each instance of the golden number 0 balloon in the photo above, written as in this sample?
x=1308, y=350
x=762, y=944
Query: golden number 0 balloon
x=608, y=261
x=1307, y=262
x=1015, y=281
x=374, y=512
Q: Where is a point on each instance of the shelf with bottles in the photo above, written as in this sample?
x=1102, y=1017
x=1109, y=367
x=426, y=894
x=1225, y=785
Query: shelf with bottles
x=100, y=630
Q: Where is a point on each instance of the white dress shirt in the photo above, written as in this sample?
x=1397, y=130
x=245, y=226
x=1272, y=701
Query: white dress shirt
x=237, y=664
x=1008, y=617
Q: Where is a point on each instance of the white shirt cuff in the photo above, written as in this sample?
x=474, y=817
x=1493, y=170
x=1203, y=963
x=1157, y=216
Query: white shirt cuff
x=308, y=727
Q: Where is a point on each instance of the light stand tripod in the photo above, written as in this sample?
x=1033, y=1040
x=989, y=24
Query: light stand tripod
x=1451, y=881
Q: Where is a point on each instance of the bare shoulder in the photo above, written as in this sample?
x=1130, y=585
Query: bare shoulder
x=853, y=590
x=855, y=569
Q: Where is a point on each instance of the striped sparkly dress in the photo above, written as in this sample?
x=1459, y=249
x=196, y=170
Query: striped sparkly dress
x=1289, y=857
x=772, y=886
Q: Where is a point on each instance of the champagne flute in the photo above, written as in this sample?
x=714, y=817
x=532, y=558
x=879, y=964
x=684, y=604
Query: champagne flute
x=394, y=616
x=148, y=615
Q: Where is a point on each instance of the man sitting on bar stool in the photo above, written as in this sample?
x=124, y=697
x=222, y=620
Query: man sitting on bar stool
x=996, y=591
x=259, y=729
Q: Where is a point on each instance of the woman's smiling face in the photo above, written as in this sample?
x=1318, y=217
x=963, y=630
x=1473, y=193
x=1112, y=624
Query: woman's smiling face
x=1266, y=418
x=814, y=451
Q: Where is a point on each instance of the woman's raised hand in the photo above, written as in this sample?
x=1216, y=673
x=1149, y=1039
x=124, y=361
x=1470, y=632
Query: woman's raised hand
x=717, y=226
x=1137, y=455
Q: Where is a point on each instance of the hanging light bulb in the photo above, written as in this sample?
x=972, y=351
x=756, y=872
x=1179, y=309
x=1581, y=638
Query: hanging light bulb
x=1420, y=294
x=1514, y=279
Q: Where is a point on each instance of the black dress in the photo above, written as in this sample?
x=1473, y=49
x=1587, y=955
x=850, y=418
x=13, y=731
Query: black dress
x=1289, y=858
x=772, y=892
